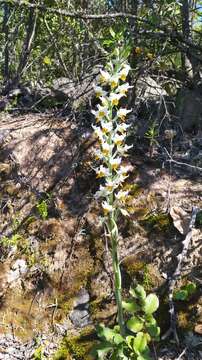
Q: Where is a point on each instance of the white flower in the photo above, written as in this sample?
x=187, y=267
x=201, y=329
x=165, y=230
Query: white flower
x=124, y=72
x=124, y=169
x=115, y=163
x=123, y=149
x=102, y=111
x=106, y=127
x=111, y=185
x=122, y=113
x=102, y=192
x=123, y=89
x=104, y=76
x=98, y=133
x=102, y=172
x=122, y=127
x=114, y=98
x=98, y=155
x=118, y=139
x=114, y=81
x=121, y=178
x=104, y=101
x=121, y=195
x=107, y=207
x=99, y=91
x=106, y=148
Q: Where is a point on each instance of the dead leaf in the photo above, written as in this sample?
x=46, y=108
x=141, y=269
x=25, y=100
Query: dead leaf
x=180, y=219
x=198, y=329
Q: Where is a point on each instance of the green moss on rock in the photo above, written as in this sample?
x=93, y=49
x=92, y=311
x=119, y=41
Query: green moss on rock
x=76, y=347
x=160, y=222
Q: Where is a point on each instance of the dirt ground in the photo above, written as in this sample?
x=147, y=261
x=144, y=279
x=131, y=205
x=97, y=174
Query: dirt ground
x=63, y=255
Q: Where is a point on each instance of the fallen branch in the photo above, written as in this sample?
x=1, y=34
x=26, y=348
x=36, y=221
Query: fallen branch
x=181, y=355
x=180, y=163
x=176, y=276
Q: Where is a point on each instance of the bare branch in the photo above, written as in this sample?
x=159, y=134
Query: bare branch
x=180, y=162
x=174, y=35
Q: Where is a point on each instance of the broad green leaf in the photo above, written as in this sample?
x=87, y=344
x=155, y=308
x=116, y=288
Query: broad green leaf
x=130, y=306
x=150, y=320
x=144, y=357
x=135, y=324
x=181, y=295
x=121, y=355
x=129, y=341
x=101, y=349
x=138, y=292
x=154, y=331
x=151, y=304
x=191, y=288
x=105, y=332
x=103, y=352
x=140, y=343
x=118, y=339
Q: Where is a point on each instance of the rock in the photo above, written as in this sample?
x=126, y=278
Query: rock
x=80, y=318
x=189, y=108
x=82, y=299
x=148, y=88
x=180, y=219
x=19, y=268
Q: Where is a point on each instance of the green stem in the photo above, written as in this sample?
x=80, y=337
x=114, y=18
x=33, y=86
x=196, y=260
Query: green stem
x=117, y=275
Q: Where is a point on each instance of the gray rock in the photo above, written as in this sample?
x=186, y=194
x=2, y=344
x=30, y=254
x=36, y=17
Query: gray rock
x=19, y=268
x=80, y=318
x=189, y=108
x=82, y=299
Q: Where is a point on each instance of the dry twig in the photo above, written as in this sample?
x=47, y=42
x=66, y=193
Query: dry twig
x=176, y=276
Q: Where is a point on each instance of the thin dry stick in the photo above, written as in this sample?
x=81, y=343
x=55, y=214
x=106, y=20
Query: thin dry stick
x=180, y=162
x=181, y=355
x=176, y=276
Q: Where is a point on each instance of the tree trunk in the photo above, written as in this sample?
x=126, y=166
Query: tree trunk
x=190, y=65
x=6, y=50
x=31, y=28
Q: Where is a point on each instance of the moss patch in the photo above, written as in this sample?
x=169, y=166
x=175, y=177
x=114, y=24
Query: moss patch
x=76, y=347
x=158, y=222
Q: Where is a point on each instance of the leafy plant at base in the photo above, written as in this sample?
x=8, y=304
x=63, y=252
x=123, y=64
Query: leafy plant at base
x=42, y=209
x=185, y=292
x=152, y=135
x=141, y=329
x=12, y=241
